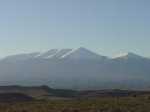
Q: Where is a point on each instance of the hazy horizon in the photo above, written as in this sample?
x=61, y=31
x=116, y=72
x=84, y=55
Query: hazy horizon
x=102, y=26
x=74, y=49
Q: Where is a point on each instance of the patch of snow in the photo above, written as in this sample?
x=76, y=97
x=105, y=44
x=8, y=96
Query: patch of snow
x=127, y=55
x=118, y=55
x=68, y=53
x=82, y=53
x=38, y=55
x=50, y=56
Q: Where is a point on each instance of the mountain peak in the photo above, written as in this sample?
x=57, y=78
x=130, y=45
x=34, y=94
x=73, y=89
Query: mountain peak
x=126, y=55
x=81, y=48
x=82, y=53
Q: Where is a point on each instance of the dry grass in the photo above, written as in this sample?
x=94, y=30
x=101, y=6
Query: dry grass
x=124, y=104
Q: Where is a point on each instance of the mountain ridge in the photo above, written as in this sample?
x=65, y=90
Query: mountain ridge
x=75, y=68
x=62, y=53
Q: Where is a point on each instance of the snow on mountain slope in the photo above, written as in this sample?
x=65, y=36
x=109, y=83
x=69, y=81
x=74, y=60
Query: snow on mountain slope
x=73, y=68
x=82, y=53
x=46, y=54
x=126, y=55
x=54, y=53
x=19, y=57
x=75, y=54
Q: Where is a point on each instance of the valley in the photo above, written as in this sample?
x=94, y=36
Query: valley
x=45, y=99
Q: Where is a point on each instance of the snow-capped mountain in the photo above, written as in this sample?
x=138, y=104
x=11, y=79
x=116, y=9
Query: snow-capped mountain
x=126, y=55
x=82, y=53
x=76, y=54
x=76, y=68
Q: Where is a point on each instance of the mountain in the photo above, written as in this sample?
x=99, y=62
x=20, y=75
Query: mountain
x=76, y=54
x=76, y=69
x=20, y=57
x=82, y=53
x=127, y=55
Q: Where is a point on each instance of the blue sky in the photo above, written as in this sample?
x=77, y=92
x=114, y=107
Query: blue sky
x=103, y=26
